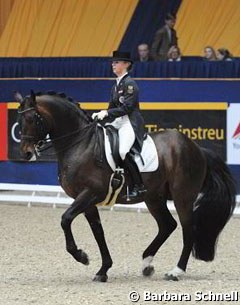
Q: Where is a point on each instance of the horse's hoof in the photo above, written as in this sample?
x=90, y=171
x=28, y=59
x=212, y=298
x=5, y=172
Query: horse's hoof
x=81, y=257
x=148, y=271
x=84, y=258
x=171, y=277
x=100, y=278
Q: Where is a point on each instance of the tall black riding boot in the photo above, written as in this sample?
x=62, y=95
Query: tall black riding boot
x=138, y=188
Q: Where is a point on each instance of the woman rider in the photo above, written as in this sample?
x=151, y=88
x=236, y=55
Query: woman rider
x=123, y=113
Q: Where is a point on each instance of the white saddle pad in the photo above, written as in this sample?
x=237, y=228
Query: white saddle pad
x=149, y=155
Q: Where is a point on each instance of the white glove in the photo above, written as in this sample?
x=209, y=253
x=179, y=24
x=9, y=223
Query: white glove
x=100, y=115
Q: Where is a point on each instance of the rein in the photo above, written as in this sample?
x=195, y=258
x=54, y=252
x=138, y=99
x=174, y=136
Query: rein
x=47, y=143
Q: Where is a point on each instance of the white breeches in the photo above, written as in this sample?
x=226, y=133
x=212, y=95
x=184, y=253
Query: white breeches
x=126, y=134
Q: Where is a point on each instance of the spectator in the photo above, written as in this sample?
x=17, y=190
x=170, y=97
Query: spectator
x=224, y=54
x=144, y=53
x=174, y=54
x=164, y=39
x=209, y=54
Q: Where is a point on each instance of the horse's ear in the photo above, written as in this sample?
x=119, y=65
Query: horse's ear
x=33, y=98
x=18, y=97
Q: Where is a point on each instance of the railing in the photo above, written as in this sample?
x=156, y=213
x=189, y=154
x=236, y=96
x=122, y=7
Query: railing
x=189, y=67
x=55, y=196
x=52, y=195
x=33, y=193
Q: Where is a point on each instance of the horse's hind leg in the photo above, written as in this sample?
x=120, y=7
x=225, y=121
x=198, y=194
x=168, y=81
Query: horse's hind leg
x=184, y=209
x=166, y=225
x=94, y=221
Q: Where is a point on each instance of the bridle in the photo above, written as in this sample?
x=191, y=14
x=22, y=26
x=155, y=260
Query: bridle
x=43, y=142
x=26, y=110
x=41, y=128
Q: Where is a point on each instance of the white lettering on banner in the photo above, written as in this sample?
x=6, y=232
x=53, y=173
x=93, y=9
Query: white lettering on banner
x=233, y=134
x=14, y=133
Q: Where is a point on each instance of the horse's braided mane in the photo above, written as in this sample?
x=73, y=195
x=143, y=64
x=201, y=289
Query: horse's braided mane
x=93, y=124
x=66, y=98
x=57, y=94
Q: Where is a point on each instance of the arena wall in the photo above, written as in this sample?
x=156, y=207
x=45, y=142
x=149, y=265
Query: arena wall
x=206, y=110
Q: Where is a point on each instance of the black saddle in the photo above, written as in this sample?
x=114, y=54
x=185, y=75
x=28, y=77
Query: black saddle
x=113, y=136
x=112, y=133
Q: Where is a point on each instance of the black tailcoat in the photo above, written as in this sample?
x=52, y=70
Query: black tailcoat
x=124, y=100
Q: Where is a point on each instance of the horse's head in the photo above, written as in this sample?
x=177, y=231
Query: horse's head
x=33, y=127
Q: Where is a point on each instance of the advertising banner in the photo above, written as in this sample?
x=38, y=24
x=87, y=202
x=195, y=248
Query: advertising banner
x=233, y=134
x=205, y=127
x=3, y=132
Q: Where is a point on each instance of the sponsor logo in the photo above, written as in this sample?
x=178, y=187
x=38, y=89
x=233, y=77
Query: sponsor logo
x=15, y=133
x=233, y=134
x=236, y=134
x=196, y=133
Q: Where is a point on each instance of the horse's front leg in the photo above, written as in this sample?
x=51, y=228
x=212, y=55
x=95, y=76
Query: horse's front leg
x=94, y=221
x=83, y=201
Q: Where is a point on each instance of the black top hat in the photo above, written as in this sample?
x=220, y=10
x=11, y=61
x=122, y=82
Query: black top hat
x=121, y=56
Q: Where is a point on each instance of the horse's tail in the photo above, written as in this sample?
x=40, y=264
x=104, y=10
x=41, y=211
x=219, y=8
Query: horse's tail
x=214, y=208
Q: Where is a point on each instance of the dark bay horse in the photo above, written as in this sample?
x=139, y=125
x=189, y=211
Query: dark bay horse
x=198, y=181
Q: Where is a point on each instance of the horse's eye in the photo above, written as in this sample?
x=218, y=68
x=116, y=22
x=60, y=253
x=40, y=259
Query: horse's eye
x=29, y=119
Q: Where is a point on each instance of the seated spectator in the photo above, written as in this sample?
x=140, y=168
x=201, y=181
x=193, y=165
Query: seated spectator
x=224, y=54
x=209, y=54
x=164, y=38
x=144, y=53
x=174, y=54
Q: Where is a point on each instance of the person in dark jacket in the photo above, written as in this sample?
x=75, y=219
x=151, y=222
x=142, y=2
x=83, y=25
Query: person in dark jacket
x=144, y=53
x=123, y=113
x=164, y=39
